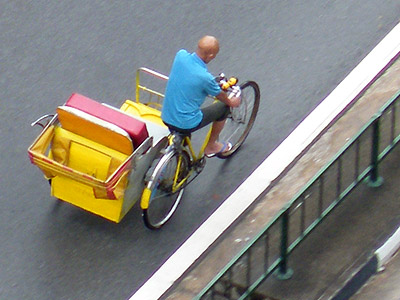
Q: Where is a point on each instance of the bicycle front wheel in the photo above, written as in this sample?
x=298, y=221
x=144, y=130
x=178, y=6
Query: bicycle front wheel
x=162, y=194
x=241, y=119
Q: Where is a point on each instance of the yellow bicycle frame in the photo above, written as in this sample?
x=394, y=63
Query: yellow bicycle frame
x=177, y=185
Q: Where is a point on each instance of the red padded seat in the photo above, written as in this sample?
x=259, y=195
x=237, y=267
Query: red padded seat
x=136, y=129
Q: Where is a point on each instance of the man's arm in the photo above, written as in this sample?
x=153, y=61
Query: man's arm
x=232, y=102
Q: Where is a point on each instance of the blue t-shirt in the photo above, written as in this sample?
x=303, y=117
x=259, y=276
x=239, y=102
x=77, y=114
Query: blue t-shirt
x=188, y=85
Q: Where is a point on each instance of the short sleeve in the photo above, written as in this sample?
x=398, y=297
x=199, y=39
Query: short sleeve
x=212, y=87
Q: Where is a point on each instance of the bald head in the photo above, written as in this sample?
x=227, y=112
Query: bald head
x=207, y=48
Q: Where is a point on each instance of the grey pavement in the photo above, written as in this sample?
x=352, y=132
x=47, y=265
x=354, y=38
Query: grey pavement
x=344, y=242
x=297, y=52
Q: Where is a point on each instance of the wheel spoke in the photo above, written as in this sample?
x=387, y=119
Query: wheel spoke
x=163, y=201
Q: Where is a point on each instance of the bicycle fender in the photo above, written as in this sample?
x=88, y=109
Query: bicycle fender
x=144, y=202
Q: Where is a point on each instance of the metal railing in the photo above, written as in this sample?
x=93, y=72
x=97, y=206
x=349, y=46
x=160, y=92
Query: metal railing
x=268, y=252
x=153, y=97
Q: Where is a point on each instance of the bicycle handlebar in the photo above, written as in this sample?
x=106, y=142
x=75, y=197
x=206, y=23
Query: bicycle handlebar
x=226, y=83
x=235, y=92
x=229, y=85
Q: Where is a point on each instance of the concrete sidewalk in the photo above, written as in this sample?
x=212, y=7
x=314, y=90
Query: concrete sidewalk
x=325, y=261
x=334, y=261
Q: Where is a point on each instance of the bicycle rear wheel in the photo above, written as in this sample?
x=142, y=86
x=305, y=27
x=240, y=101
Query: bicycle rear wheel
x=241, y=119
x=159, y=200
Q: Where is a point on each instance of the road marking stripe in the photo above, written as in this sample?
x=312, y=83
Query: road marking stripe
x=386, y=251
x=271, y=168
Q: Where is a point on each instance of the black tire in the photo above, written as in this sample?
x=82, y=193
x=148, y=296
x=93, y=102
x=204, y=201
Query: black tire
x=241, y=119
x=162, y=200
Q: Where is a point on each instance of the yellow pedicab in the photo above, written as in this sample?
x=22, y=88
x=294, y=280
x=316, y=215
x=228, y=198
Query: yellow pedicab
x=104, y=159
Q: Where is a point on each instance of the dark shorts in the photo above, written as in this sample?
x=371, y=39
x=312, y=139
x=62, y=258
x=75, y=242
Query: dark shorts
x=217, y=111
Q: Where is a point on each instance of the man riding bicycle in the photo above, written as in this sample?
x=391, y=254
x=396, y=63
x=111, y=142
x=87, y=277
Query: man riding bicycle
x=188, y=86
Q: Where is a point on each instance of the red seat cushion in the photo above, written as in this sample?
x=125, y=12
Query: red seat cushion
x=136, y=129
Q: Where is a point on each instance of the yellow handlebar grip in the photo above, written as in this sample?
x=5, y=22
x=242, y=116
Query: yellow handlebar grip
x=232, y=81
x=225, y=86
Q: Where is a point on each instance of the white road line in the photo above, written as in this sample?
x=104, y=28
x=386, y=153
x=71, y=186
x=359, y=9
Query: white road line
x=271, y=168
x=386, y=251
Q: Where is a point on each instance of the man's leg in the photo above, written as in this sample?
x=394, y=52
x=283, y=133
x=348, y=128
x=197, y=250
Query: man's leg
x=213, y=145
x=216, y=114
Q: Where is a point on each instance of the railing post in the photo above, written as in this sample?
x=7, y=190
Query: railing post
x=374, y=180
x=137, y=86
x=283, y=271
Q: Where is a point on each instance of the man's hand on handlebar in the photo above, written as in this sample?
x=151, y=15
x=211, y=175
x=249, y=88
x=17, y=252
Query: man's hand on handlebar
x=230, y=94
x=234, y=101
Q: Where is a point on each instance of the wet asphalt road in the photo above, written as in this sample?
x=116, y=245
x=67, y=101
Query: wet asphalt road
x=297, y=53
